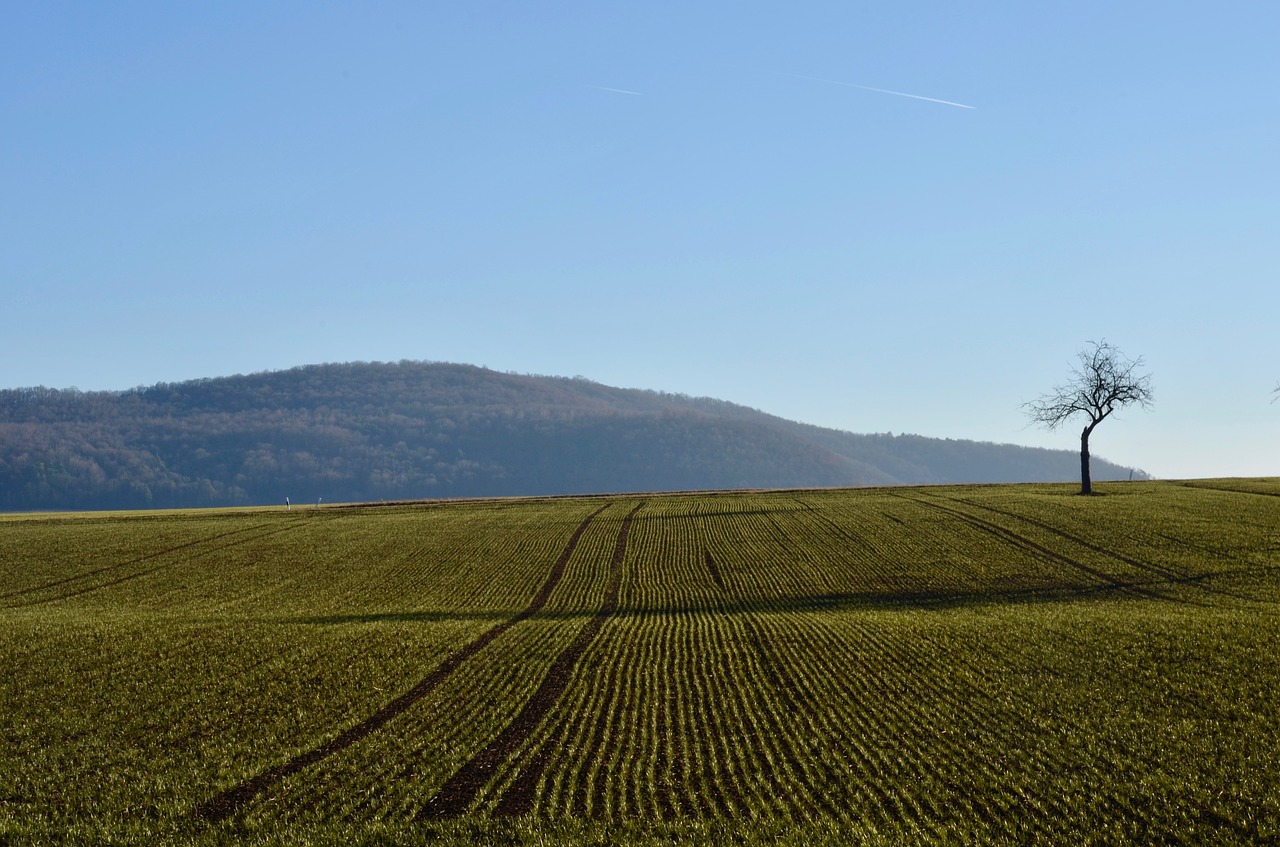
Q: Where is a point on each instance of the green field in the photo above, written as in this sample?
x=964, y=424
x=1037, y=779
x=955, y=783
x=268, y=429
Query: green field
x=993, y=664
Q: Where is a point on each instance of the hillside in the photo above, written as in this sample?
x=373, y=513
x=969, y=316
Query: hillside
x=374, y=431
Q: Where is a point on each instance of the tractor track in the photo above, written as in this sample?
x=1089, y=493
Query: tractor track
x=1168, y=574
x=80, y=590
x=1022, y=541
x=232, y=800
x=1199, y=487
x=117, y=565
x=460, y=790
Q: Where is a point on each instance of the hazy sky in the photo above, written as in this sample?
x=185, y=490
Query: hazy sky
x=731, y=199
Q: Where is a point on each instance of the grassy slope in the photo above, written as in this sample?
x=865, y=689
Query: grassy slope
x=958, y=664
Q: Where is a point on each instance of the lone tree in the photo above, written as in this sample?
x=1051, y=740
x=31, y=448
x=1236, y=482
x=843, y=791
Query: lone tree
x=1104, y=381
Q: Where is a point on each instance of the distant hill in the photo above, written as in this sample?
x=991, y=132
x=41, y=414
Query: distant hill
x=361, y=432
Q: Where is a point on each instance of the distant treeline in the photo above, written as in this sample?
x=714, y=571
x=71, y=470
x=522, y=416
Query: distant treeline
x=375, y=431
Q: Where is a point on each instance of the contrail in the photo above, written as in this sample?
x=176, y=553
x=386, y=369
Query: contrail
x=912, y=96
x=617, y=90
x=881, y=90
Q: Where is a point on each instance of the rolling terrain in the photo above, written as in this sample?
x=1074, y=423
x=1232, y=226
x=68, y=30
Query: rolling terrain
x=413, y=430
x=975, y=664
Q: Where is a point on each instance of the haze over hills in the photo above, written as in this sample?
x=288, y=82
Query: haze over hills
x=408, y=430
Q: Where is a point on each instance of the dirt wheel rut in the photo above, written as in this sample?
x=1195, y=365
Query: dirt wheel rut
x=231, y=801
x=460, y=791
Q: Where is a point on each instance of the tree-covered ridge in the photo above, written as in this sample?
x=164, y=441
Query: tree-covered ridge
x=381, y=431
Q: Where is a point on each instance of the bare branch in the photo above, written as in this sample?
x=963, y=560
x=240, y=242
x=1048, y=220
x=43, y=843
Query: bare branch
x=1103, y=381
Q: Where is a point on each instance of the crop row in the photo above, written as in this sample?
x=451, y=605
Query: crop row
x=778, y=691
x=927, y=665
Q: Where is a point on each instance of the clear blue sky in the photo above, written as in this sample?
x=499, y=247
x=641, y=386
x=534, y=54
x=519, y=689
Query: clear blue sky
x=707, y=198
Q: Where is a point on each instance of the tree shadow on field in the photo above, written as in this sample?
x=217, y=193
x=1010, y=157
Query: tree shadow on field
x=431, y=616
x=925, y=598
x=943, y=599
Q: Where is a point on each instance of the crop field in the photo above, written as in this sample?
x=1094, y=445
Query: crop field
x=940, y=665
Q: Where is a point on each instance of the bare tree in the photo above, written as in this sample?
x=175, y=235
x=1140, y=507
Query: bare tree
x=1104, y=381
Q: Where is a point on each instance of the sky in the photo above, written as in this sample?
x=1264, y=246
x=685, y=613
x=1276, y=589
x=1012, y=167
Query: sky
x=877, y=217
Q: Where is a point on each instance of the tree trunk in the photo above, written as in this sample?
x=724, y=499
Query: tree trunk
x=1086, y=484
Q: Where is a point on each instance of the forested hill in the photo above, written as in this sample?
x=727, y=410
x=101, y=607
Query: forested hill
x=360, y=432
